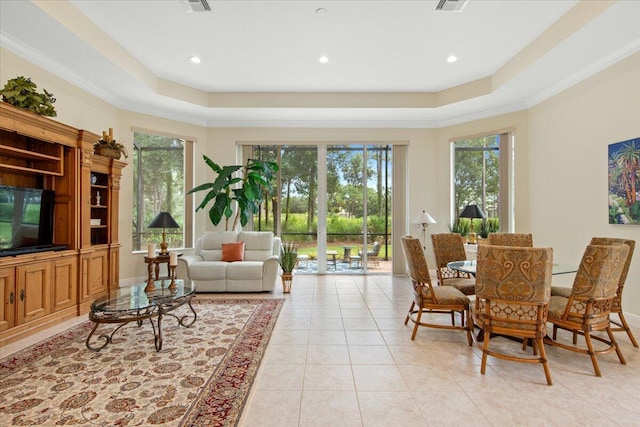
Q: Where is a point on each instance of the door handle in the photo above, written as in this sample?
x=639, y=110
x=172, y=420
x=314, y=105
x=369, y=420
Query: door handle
x=21, y=294
x=11, y=298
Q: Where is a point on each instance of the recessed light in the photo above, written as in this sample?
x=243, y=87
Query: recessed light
x=321, y=11
x=323, y=59
x=452, y=58
x=195, y=60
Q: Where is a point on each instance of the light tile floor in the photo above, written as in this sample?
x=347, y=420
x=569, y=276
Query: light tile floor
x=340, y=355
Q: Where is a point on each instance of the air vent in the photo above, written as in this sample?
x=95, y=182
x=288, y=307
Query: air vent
x=196, y=5
x=451, y=5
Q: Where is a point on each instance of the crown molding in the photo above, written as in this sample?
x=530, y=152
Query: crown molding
x=45, y=62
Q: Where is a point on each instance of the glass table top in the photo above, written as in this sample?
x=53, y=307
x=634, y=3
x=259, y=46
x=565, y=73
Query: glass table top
x=134, y=297
x=469, y=266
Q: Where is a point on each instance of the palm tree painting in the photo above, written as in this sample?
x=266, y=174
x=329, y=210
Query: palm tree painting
x=624, y=182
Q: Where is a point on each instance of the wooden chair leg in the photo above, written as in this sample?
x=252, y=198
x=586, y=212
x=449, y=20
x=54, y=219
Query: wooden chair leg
x=543, y=357
x=485, y=352
x=625, y=325
x=415, y=328
x=555, y=332
x=617, y=347
x=469, y=327
x=592, y=353
x=413, y=304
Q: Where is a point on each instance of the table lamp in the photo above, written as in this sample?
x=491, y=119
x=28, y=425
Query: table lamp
x=471, y=212
x=424, y=219
x=163, y=220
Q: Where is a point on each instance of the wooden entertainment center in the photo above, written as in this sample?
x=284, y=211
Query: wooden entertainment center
x=38, y=290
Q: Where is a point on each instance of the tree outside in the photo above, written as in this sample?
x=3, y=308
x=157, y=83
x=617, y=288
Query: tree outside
x=477, y=174
x=346, y=168
x=159, y=186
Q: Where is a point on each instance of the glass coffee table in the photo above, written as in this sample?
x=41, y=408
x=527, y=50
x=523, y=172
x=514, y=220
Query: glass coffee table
x=133, y=304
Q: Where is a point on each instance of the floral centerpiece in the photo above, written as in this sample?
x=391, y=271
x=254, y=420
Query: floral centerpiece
x=108, y=146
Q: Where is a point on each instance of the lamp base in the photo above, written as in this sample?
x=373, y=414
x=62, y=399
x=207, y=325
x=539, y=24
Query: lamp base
x=164, y=245
x=472, y=238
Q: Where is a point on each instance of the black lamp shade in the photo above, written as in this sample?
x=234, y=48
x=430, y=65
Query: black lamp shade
x=163, y=220
x=472, y=211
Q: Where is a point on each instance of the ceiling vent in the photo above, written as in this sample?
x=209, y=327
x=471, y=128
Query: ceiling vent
x=451, y=5
x=196, y=5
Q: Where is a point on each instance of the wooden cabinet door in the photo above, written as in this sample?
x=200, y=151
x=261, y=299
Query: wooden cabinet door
x=34, y=291
x=98, y=272
x=65, y=283
x=7, y=298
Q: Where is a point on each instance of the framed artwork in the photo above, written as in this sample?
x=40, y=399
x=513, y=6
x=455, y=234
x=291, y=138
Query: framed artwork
x=624, y=182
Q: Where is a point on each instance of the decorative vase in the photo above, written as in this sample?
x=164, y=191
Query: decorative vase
x=287, y=281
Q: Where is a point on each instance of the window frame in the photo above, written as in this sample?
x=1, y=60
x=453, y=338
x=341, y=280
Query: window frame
x=188, y=174
x=506, y=193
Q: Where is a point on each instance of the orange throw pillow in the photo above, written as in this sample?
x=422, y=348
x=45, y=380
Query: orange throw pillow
x=233, y=251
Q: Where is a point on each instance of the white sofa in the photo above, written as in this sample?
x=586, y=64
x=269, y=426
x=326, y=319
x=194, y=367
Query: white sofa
x=258, y=271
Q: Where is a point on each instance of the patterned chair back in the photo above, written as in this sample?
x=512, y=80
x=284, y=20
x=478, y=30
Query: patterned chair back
x=517, y=274
x=596, y=283
x=418, y=268
x=513, y=289
x=600, y=271
x=448, y=247
x=627, y=264
x=511, y=239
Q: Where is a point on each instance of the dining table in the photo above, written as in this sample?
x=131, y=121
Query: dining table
x=469, y=266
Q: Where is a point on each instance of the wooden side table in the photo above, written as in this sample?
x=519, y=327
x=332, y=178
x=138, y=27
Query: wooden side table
x=159, y=259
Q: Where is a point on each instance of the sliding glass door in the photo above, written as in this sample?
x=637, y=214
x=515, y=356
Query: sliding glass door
x=334, y=201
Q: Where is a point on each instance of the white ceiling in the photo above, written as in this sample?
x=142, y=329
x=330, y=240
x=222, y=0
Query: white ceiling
x=260, y=63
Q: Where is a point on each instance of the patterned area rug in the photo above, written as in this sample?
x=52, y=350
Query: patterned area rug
x=201, y=377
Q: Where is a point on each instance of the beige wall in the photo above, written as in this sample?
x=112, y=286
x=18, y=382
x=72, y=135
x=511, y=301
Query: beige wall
x=568, y=139
x=560, y=158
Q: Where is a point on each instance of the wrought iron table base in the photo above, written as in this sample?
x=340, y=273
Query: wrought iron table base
x=159, y=311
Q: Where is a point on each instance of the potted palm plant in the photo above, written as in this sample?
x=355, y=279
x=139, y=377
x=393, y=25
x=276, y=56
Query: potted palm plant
x=489, y=225
x=288, y=260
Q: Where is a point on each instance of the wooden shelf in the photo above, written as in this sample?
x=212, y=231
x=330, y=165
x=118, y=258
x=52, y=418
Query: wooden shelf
x=39, y=152
x=23, y=160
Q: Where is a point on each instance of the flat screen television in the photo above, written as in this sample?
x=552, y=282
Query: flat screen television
x=26, y=220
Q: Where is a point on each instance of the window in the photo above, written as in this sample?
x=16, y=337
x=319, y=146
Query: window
x=482, y=176
x=333, y=199
x=160, y=178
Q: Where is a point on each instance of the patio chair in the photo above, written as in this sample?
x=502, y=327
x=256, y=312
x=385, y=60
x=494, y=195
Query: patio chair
x=372, y=255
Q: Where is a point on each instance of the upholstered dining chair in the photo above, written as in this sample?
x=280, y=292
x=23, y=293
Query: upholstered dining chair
x=432, y=299
x=587, y=308
x=510, y=239
x=449, y=247
x=513, y=288
x=616, y=306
